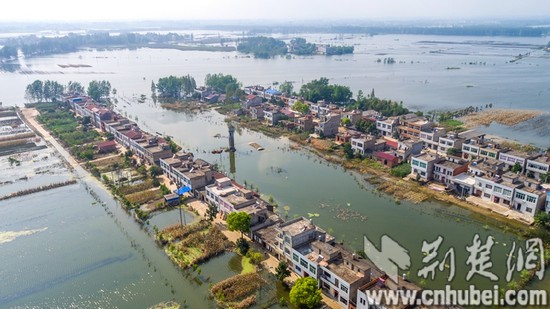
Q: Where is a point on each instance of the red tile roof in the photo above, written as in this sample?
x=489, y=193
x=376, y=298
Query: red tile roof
x=385, y=156
x=133, y=134
x=106, y=144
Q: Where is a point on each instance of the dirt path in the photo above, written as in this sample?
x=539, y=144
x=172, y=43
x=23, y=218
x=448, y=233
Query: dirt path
x=29, y=116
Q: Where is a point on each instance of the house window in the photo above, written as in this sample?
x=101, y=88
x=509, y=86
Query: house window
x=312, y=269
x=497, y=189
x=298, y=269
x=423, y=165
x=295, y=257
x=531, y=199
x=529, y=209
x=487, y=195
x=287, y=239
x=327, y=275
x=343, y=288
x=488, y=186
x=303, y=263
x=343, y=300
x=414, y=162
x=507, y=192
x=520, y=196
x=287, y=251
x=362, y=301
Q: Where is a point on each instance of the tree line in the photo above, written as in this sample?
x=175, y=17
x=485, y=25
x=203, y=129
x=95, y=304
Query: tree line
x=267, y=47
x=33, y=45
x=174, y=87
x=51, y=91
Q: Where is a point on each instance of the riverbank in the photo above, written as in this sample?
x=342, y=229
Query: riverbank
x=509, y=117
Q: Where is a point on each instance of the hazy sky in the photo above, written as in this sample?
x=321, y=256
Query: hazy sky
x=71, y=10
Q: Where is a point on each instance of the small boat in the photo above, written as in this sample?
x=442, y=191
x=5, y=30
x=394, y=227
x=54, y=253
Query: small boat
x=256, y=146
x=216, y=151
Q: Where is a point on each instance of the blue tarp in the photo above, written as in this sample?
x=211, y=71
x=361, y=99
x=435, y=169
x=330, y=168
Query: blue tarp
x=182, y=190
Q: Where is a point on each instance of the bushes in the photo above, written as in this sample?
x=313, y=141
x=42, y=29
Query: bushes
x=144, y=196
x=242, y=246
x=237, y=287
x=401, y=170
x=255, y=257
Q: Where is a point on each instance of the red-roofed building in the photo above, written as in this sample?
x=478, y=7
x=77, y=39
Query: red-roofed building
x=108, y=146
x=252, y=100
x=133, y=134
x=387, y=159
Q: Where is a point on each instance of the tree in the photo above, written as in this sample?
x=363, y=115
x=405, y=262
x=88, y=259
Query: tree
x=348, y=151
x=98, y=90
x=75, y=88
x=286, y=88
x=365, y=126
x=452, y=151
x=155, y=170
x=211, y=212
x=305, y=293
x=542, y=220
x=346, y=122
x=282, y=271
x=220, y=82
x=35, y=91
x=301, y=107
x=239, y=221
x=516, y=168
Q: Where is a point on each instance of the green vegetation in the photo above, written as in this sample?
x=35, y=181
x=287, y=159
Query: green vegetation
x=262, y=47
x=452, y=125
x=299, y=46
x=223, y=83
x=173, y=87
x=339, y=50
x=305, y=293
x=320, y=89
x=32, y=45
x=385, y=107
x=301, y=107
x=401, y=170
x=286, y=88
x=365, y=126
x=193, y=244
x=516, y=168
x=453, y=151
x=143, y=197
x=247, y=265
x=48, y=90
x=63, y=125
x=99, y=90
x=238, y=221
x=282, y=271
x=242, y=246
x=542, y=220
x=238, y=291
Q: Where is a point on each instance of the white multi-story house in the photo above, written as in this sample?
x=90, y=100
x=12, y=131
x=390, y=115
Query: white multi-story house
x=510, y=158
x=387, y=126
x=449, y=141
x=538, y=166
x=227, y=197
x=423, y=165
x=328, y=125
x=445, y=171
x=528, y=200
x=363, y=143
x=430, y=138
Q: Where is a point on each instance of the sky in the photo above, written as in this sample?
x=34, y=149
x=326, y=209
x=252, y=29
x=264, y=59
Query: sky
x=299, y=10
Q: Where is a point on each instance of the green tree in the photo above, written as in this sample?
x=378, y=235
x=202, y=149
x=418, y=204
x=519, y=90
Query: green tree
x=220, y=82
x=282, y=271
x=238, y=221
x=542, y=220
x=35, y=91
x=98, y=90
x=75, y=88
x=155, y=170
x=211, y=212
x=301, y=107
x=348, y=151
x=346, y=122
x=452, y=151
x=516, y=168
x=286, y=88
x=305, y=293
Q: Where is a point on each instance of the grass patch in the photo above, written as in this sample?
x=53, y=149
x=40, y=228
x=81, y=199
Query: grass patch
x=452, y=125
x=238, y=291
x=199, y=242
x=146, y=185
x=247, y=265
x=143, y=197
x=401, y=170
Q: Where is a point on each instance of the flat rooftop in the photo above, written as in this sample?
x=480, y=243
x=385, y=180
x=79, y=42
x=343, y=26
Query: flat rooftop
x=426, y=157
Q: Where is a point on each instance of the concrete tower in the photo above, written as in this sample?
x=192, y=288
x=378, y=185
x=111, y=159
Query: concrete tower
x=231, y=138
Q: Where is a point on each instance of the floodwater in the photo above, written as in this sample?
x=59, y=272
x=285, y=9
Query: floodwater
x=84, y=254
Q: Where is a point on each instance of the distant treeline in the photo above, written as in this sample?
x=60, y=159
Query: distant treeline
x=267, y=47
x=36, y=46
x=455, y=30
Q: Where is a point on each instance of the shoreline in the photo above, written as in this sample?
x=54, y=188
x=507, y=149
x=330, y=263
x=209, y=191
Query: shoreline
x=370, y=172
